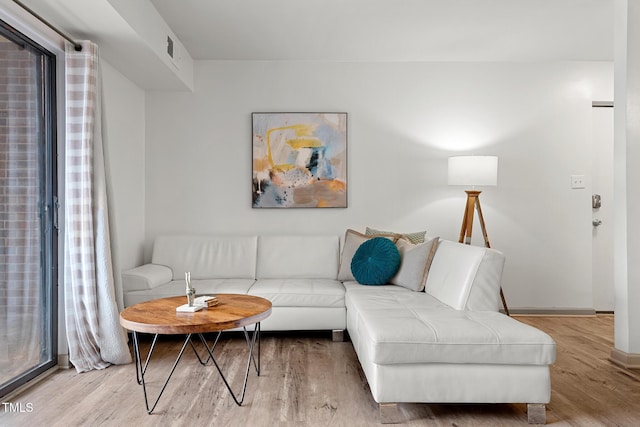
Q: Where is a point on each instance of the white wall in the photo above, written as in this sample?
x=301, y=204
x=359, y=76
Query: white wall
x=124, y=141
x=405, y=119
x=626, y=193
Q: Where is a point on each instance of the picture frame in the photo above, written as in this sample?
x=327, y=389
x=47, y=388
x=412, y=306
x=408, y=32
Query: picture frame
x=299, y=160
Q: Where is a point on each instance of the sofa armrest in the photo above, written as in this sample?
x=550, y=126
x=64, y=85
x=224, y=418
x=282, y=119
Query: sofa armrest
x=145, y=277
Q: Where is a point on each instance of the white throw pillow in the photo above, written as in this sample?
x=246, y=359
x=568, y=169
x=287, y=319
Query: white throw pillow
x=352, y=241
x=415, y=261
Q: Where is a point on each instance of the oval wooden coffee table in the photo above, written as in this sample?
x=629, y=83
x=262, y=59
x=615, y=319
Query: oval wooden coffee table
x=159, y=317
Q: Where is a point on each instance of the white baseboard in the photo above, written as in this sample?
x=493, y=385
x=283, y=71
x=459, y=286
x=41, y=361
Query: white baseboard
x=524, y=311
x=626, y=360
x=63, y=361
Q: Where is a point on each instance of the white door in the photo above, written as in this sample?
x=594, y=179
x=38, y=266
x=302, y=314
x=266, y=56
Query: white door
x=602, y=184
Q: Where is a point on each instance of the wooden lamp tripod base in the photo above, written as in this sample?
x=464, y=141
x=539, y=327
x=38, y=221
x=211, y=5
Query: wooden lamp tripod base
x=473, y=203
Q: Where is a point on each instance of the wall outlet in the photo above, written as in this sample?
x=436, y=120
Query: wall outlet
x=577, y=181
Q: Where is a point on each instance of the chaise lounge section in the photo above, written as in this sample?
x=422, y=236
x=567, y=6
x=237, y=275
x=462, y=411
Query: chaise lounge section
x=449, y=344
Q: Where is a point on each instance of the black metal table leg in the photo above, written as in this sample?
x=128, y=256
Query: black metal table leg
x=215, y=343
x=251, y=344
x=246, y=335
x=141, y=369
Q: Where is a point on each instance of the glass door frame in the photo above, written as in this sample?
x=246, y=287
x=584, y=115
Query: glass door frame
x=49, y=207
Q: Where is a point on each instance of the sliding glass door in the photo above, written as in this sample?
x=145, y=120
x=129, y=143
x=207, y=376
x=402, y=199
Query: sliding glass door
x=28, y=273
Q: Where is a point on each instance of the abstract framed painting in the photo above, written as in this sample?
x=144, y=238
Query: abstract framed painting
x=299, y=160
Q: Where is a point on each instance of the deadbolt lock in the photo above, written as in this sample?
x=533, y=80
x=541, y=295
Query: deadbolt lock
x=596, y=201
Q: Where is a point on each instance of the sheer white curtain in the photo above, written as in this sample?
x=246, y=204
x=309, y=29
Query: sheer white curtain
x=95, y=337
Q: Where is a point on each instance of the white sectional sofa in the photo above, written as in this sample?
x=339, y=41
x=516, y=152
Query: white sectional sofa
x=446, y=344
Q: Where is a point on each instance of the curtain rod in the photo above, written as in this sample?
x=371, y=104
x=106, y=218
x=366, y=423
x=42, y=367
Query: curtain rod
x=77, y=46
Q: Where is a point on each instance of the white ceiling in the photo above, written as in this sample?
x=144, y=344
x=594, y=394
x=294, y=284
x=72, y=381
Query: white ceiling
x=132, y=34
x=393, y=30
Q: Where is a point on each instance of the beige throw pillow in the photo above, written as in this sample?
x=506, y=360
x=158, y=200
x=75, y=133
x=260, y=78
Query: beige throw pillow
x=415, y=238
x=415, y=261
x=352, y=241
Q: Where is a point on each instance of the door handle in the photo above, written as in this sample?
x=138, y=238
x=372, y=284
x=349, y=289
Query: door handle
x=596, y=222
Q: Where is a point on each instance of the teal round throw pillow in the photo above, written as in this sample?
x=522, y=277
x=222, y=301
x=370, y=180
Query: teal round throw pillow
x=375, y=262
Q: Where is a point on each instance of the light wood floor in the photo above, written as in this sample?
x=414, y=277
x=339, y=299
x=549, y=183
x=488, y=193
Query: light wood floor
x=308, y=380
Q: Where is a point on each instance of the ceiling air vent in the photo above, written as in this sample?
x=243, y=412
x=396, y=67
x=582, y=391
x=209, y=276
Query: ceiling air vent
x=170, y=46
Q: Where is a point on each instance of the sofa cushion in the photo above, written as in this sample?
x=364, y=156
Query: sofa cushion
x=207, y=257
x=352, y=241
x=375, y=261
x=291, y=257
x=415, y=261
x=353, y=286
x=202, y=287
x=410, y=327
x=466, y=277
x=300, y=292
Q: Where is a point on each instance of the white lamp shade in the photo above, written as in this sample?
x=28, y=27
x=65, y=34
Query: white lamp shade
x=473, y=170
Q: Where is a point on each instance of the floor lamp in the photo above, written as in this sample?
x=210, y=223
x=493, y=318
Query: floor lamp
x=472, y=171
